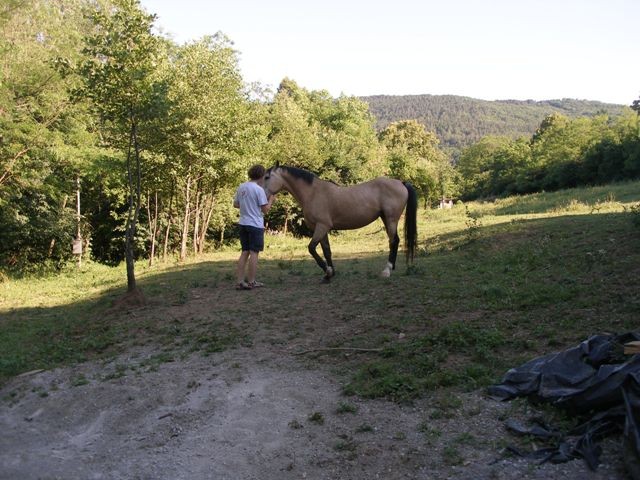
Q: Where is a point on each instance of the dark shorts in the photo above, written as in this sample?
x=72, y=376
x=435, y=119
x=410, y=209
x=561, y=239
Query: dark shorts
x=251, y=238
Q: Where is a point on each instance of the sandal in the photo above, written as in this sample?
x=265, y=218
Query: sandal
x=243, y=286
x=255, y=284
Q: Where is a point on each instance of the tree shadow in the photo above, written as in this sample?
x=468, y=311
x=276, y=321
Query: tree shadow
x=506, y=273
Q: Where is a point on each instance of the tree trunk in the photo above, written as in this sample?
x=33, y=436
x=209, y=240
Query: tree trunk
x=286, y=220
x=52, y=244
x=196, y=220
x=153, y=225
x=169, y=223
x=207, y=211
x=131, y=219
x=185, y=221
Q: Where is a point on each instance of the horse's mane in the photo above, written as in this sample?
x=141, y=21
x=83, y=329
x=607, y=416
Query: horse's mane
x=299, y=173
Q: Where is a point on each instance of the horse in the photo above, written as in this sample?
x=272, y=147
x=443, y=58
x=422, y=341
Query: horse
x=327, y=206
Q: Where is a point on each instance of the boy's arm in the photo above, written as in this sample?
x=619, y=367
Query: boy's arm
x=267, y=206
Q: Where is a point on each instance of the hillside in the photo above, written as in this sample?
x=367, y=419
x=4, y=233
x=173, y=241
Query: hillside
x=461, y=121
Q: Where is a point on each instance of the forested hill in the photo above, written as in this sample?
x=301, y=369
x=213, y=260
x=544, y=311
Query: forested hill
x=461, y=121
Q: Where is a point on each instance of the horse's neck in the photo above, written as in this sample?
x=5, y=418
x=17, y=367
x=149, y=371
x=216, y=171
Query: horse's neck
x=301, y=190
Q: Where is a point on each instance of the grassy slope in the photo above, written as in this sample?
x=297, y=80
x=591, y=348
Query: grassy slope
x=494, y=284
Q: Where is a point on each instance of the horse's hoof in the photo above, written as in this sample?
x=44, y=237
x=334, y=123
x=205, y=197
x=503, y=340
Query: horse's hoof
x=386, y=273
x=326, y=280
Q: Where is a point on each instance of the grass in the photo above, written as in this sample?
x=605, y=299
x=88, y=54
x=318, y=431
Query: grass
x=494, y=284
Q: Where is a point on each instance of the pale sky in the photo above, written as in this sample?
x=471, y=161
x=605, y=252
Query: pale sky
x=492, y=50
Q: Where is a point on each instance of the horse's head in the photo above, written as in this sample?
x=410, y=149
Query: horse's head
x=273, y=180
x=284, y=177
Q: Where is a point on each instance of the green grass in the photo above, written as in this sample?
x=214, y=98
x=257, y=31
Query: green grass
x=494, y=284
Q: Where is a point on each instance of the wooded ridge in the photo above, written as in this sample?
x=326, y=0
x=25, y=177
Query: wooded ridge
x=461, y=121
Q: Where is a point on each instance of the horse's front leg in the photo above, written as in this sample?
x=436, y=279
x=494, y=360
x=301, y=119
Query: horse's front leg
x=319, y=235
x=326, y=251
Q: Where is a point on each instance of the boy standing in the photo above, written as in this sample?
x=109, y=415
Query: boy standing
x=252, y=201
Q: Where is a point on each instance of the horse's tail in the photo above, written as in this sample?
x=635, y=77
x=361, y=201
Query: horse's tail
x=410, y=223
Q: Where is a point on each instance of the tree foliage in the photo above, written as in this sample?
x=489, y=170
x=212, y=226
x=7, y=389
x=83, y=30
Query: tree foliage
x=461, y=121
x=414, y=155
x=159, y=135
x=119, y=77
x=563, y=153
x=45, y=137
x=332, y=137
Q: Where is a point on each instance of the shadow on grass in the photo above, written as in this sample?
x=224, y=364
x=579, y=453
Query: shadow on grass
x=47, y=337
x=471, y=306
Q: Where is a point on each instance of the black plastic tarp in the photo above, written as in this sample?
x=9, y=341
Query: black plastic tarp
x=594, y=381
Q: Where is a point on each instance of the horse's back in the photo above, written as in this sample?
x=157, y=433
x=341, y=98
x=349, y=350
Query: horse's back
x=358, y=205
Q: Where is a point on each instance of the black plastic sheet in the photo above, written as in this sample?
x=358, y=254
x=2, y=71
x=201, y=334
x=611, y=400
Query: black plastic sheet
x=593, y=380
x=631, y=394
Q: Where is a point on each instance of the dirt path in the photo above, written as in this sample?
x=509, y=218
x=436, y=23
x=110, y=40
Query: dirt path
x=256, y=413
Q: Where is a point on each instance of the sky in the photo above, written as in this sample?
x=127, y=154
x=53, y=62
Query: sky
x=491, y=50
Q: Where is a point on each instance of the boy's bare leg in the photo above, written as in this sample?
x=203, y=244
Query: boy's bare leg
x=242, y=262
x=252, y=267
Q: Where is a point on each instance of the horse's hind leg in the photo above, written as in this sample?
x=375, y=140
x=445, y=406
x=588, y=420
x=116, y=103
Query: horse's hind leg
x=394, y=242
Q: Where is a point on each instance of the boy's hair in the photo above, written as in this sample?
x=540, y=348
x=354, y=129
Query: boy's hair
x=256, y=172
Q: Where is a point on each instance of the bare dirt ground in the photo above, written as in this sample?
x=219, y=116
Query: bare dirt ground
x=256, y=412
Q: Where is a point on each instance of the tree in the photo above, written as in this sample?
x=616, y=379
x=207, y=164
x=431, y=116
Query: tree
x=118, y=76
x=476, y=163
x=294, y=138
x=46, y=140
x=559, y=147
x=349, y=147
x=334, y=138
x=214, y=131
x=414, y=155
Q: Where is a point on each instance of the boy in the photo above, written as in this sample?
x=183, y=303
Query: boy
x=252, y=201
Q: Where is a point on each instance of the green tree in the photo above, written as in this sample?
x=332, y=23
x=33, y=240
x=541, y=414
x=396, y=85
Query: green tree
x=119, y=77
x=476, y=163
x=294, y=138
x=214, y=131
x=617, y=155
x=559, y=147
x=46, y=140
x=334, y=138
x=414, y=155
x=349, y=146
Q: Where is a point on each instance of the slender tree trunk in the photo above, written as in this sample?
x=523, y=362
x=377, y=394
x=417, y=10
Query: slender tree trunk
x=169, y=222
x=153, y=225
x=196, y=220
x=207, y=212
x=186, y=219
x=131, y=218
x=286, y=220
x=52, y=244
x=78, y=233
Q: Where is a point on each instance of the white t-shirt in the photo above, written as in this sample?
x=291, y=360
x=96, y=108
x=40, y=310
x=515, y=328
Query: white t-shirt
x=251, y=196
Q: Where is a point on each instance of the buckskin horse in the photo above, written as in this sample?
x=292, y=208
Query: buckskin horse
x=327, y=206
